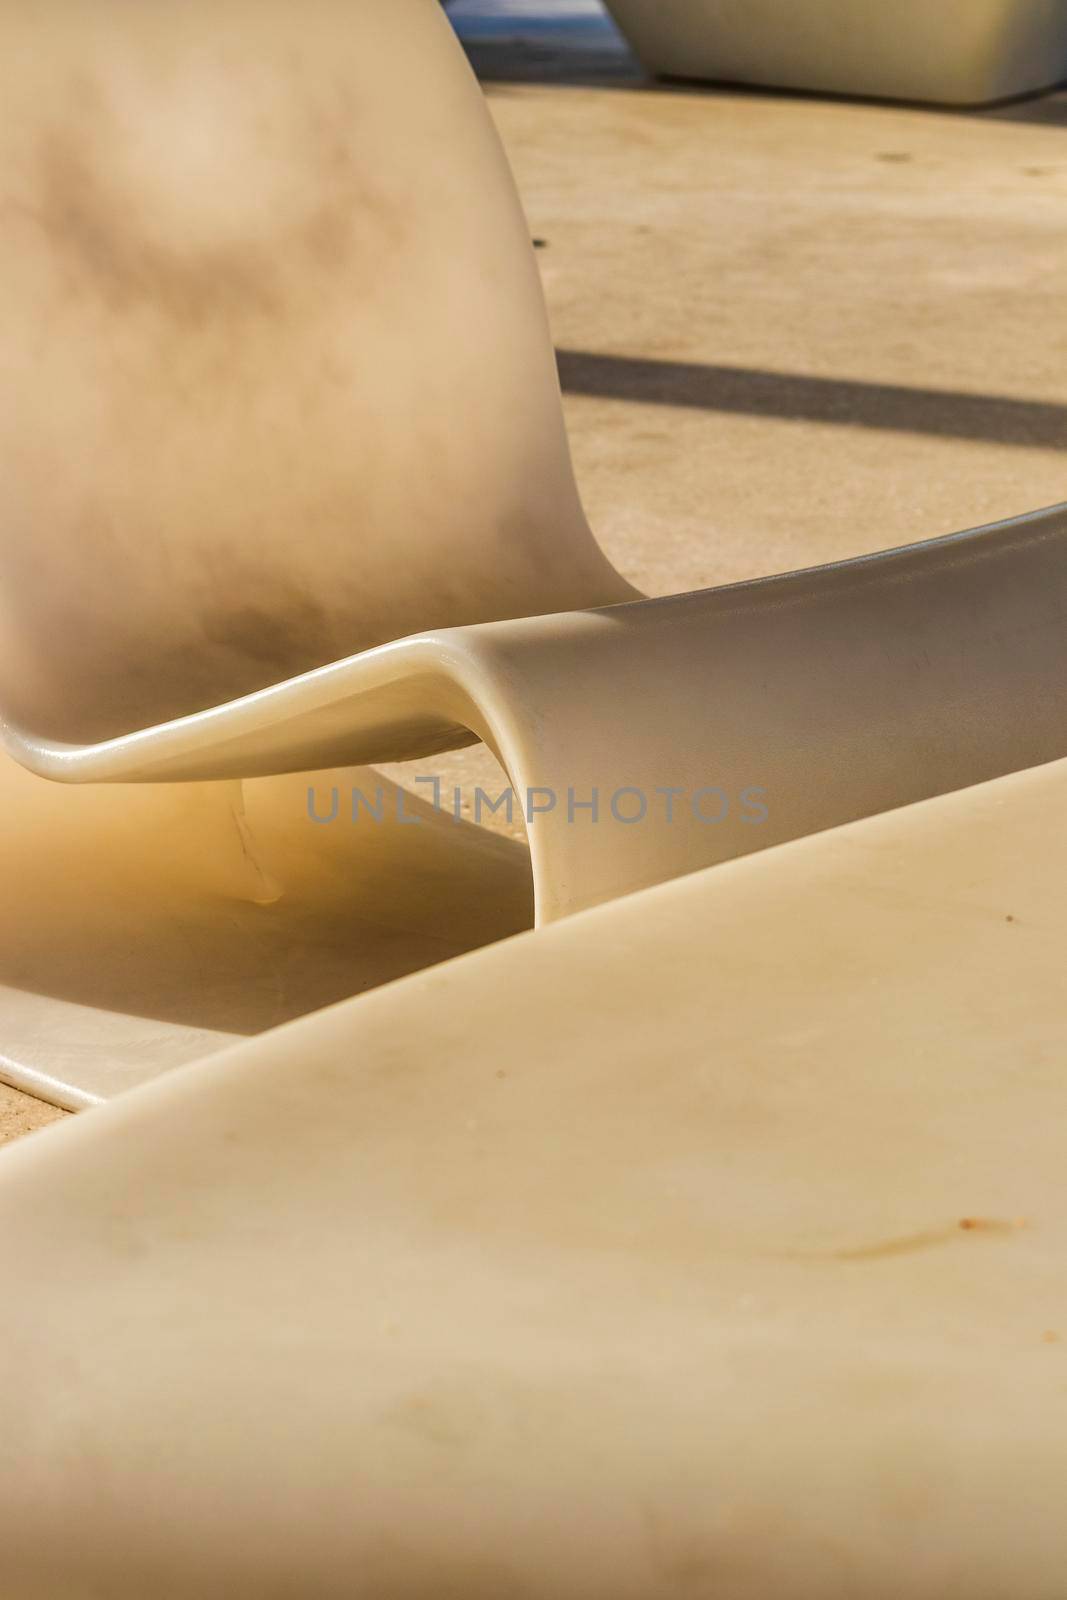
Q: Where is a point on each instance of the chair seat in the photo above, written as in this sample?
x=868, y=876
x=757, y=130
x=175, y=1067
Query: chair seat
x=575, y=1265
x=153, y=924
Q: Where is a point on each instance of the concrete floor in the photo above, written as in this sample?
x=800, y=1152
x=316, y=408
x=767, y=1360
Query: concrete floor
x=20, y=1114
x=790, y=330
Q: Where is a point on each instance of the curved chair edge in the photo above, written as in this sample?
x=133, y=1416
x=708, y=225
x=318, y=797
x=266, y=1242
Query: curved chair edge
x=835, y=691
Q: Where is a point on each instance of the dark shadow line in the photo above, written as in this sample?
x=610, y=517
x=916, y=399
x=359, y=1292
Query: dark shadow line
x=1047, y=109
x=1027, y=106
x=839, y=402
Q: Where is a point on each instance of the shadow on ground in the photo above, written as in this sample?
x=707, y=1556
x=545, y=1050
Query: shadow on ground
x=848, y=402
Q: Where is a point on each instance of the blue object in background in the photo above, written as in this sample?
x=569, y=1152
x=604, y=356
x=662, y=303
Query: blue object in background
x=578, y=31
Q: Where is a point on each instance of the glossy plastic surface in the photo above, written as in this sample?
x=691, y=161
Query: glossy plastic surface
x=950, y=52
x=708, y=1242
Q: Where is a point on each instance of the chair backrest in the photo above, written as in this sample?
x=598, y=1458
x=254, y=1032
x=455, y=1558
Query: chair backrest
x=276, y=382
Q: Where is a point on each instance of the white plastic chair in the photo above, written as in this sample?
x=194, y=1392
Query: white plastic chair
x=287, y=488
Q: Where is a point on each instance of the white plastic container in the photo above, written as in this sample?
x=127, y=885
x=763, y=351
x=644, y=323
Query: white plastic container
x=950, y=52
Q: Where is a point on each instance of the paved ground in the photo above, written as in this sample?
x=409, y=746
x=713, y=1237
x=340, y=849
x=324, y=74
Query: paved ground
x=790, y=330
x=19, y=1114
